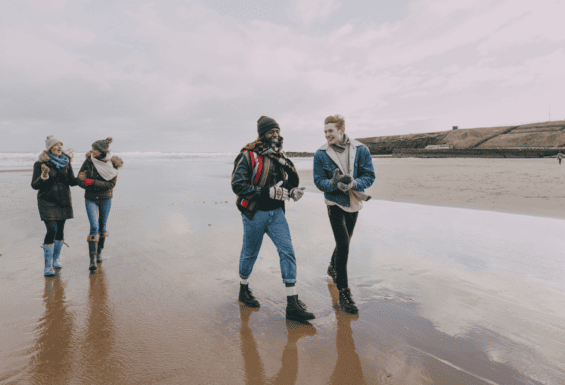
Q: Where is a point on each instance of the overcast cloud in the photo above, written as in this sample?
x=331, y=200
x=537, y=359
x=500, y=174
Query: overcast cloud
x=196, y=75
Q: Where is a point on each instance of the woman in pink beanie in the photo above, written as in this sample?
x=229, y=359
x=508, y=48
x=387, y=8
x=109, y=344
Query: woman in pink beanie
x=52, y=177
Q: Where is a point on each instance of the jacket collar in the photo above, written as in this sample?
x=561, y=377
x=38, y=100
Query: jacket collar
x=43, y=157
x=353, y=144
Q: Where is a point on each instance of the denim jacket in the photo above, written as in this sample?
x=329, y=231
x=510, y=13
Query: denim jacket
x=360, y=168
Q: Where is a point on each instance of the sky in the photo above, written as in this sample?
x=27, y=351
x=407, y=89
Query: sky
x=195, y=75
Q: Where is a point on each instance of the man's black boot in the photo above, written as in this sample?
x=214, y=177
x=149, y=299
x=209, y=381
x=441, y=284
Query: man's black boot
x=296, y=309
x=246, y=297
x=346, y=302
x=332, y=273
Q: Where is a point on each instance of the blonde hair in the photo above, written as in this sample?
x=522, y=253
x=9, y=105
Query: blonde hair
x=337, y=119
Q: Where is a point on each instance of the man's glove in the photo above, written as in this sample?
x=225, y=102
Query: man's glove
x=297, y=193
x=88, y=182
x=346, y=179
x=279, y=193
x=346, y=187
x=335, y=180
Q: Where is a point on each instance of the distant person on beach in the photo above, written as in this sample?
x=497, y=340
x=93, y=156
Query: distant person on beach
x=343, y=169
x=559, y=156
x=98, y=176
x=52, y=176
x=263, y=179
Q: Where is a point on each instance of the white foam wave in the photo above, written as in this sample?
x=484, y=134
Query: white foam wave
x=25, y=160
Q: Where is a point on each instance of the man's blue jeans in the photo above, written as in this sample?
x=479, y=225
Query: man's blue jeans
x=98, y=212
x=275, y=225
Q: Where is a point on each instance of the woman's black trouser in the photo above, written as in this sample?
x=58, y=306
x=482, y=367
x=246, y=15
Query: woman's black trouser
x=55, y=231
x=342, y=224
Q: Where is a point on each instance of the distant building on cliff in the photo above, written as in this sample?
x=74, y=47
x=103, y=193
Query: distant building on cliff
x=439, y=147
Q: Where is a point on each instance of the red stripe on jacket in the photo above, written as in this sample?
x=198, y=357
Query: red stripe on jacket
x=245, y=202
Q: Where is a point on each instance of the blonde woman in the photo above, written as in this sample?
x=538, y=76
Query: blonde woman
x=343, y=169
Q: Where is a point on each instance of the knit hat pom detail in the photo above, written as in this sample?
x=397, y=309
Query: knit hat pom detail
x=102, y=145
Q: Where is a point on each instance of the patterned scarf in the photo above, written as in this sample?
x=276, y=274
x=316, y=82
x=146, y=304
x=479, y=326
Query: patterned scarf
x=59, y=162
x=264, y=148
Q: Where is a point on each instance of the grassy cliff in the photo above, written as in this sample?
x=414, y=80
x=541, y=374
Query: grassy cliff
x=544, y=134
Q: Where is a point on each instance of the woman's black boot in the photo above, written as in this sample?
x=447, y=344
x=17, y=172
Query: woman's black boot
x=92, y=242
x=332, y=273
x=346, y=302
x=100, y=246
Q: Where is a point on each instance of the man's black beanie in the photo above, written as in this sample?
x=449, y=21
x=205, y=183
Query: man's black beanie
x=265, y=123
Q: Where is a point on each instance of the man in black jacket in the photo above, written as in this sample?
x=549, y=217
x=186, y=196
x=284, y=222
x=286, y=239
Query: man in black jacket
x=263, y=179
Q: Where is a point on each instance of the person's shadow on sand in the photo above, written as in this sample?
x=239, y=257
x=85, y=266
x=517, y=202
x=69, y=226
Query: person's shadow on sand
x=51, y=360
x=348, y=369
x=254, y=371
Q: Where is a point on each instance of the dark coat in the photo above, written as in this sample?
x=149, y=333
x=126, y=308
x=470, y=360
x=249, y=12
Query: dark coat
x=244, y=188
x=54, y=194
x=101, y=189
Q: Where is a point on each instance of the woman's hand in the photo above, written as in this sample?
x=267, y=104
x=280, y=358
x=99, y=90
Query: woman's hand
x=346, y=187
x=82, y=176
x=88, y=182
x=44, y=172
x=335, y=180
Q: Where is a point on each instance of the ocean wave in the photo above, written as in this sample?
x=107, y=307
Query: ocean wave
x=25, y=160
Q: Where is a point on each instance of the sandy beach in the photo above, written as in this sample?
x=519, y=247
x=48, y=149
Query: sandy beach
x=519, y=186
x=454, y=283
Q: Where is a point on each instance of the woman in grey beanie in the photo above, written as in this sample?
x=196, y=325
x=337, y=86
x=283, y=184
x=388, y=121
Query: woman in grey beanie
x=98, y=176
x=52, y=177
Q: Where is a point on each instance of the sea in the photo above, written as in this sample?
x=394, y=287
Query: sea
x=25, y=160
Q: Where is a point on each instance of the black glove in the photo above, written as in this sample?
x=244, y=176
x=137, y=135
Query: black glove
x=335, y=180
x=346, y=187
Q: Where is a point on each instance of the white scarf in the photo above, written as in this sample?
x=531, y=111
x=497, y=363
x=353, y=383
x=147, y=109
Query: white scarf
x=105, y=169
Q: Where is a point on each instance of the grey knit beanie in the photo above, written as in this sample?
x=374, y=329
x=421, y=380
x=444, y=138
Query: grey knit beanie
x=265, y=123
x=102, y=145
x=50, y=142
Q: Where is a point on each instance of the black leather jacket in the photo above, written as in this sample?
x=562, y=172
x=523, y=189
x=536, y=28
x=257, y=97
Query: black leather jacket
x=243, y=187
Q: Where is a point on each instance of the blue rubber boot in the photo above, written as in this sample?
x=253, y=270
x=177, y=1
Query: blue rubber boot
x=48, y=256
x=56, y=253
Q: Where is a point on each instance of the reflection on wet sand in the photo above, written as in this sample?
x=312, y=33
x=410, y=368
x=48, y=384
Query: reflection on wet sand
x=254, y=370
x=100, y=367
x=348, y=368
x=51, y=361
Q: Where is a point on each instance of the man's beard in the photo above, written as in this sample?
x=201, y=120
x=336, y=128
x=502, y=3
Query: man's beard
x=274, y=142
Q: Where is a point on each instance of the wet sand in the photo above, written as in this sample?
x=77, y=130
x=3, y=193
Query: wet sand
x=519, y=186
x=446, y=295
